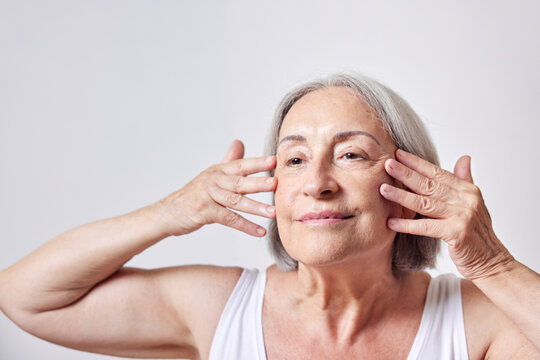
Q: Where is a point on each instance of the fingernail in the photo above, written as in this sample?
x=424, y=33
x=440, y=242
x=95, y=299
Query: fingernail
x=271, y=210
x=261, y=231
x=391, y=163
x=392, y=222
x=270, y=181
x=385, y=188
x=269, y=159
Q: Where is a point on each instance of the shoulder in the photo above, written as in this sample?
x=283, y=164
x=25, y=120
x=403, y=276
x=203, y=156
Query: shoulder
x=198, y=294
x=480, y=318
x=490, y=333
x=181, y=281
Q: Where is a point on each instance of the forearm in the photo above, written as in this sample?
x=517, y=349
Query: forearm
x=65, y=268
x=517, y=293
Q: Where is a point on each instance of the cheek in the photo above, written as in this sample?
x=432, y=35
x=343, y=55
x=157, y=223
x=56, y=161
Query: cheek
x=283, y=194
x=368, y=185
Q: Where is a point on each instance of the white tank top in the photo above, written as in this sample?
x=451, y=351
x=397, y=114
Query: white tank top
x=441, y=335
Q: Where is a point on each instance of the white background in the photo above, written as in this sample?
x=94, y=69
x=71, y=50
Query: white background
x=107, y=106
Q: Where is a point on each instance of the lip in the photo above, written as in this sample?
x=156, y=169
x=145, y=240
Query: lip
x=326, y=217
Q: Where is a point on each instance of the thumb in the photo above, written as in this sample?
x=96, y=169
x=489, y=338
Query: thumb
x=463, y=168
x=236, y=151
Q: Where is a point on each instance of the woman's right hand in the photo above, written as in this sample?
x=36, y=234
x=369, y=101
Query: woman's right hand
x=213, y=195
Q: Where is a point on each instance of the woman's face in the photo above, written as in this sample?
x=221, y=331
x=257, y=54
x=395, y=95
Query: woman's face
x=330, y=165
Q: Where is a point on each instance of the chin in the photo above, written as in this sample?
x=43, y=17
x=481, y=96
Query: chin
x=326, y=249
x=322, y=250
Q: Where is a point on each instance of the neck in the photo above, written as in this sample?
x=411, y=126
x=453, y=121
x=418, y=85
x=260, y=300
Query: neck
x=350, y=295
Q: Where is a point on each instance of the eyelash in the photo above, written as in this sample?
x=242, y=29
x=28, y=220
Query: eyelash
x=356, y=155
x=291, y=160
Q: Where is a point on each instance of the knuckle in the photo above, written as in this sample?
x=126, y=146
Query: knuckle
x=239, y=166
x=431, y=186
x=407, y=173
x=211, y=169
x=207, y=174
x=237, y=183
x=475, y=199
x=231, y=218
x=474, y=202
x=233, y=199
x=475, y=190
x=425, y=227
x=437, y=172
x=426, y=204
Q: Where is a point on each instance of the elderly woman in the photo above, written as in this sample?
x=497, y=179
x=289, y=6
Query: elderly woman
x=360, y=206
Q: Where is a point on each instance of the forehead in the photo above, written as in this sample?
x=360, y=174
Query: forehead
x=328, y=111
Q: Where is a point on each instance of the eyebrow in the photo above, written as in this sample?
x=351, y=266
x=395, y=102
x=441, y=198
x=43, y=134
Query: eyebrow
x=338, y=137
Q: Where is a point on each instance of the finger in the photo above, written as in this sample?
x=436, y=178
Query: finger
x=231, y=219
x=241, y=203
x=236, y=151
x=424, y=167
x=418, y=203
x=423, y=227
x=249, y=166
x=418, y=183
x=463, y=168
x=246, y=185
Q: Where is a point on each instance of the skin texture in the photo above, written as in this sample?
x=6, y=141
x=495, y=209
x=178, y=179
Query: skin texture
x=210, y=197
x=316, y=172
x=460, y=217
x=344, y=283
x=343, y=302
x=322, y=173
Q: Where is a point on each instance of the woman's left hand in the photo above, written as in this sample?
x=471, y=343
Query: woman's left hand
x=456, y=210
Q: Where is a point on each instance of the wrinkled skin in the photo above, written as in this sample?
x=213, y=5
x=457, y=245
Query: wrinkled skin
x=457, y=211
x=213, y=195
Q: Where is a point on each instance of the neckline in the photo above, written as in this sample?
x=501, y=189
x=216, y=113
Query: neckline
x=425, y=321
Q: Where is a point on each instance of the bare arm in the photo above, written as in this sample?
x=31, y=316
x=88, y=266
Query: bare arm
x=75, y=292
x=516, y=292
x=72, y=290
x=67, y=267
x=491, y=333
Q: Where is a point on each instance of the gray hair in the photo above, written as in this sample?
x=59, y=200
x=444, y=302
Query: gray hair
x=410, y=252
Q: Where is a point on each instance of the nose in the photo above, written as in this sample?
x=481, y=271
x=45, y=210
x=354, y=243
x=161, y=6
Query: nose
x=319, y=180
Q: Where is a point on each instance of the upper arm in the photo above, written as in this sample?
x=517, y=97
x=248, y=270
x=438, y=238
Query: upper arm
x=490, y=333
x=141, y=313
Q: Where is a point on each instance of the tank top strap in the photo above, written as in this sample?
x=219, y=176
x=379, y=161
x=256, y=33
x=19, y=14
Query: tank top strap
x=441, y=334
x=239, y=331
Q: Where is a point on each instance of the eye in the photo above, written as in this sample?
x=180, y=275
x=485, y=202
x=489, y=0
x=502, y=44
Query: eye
x=294, y=161
x=352, y=156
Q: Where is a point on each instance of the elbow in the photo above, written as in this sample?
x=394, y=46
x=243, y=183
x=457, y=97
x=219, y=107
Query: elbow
x=10, y=304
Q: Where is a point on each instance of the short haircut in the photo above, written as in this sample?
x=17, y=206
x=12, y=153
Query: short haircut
x=410, y=252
